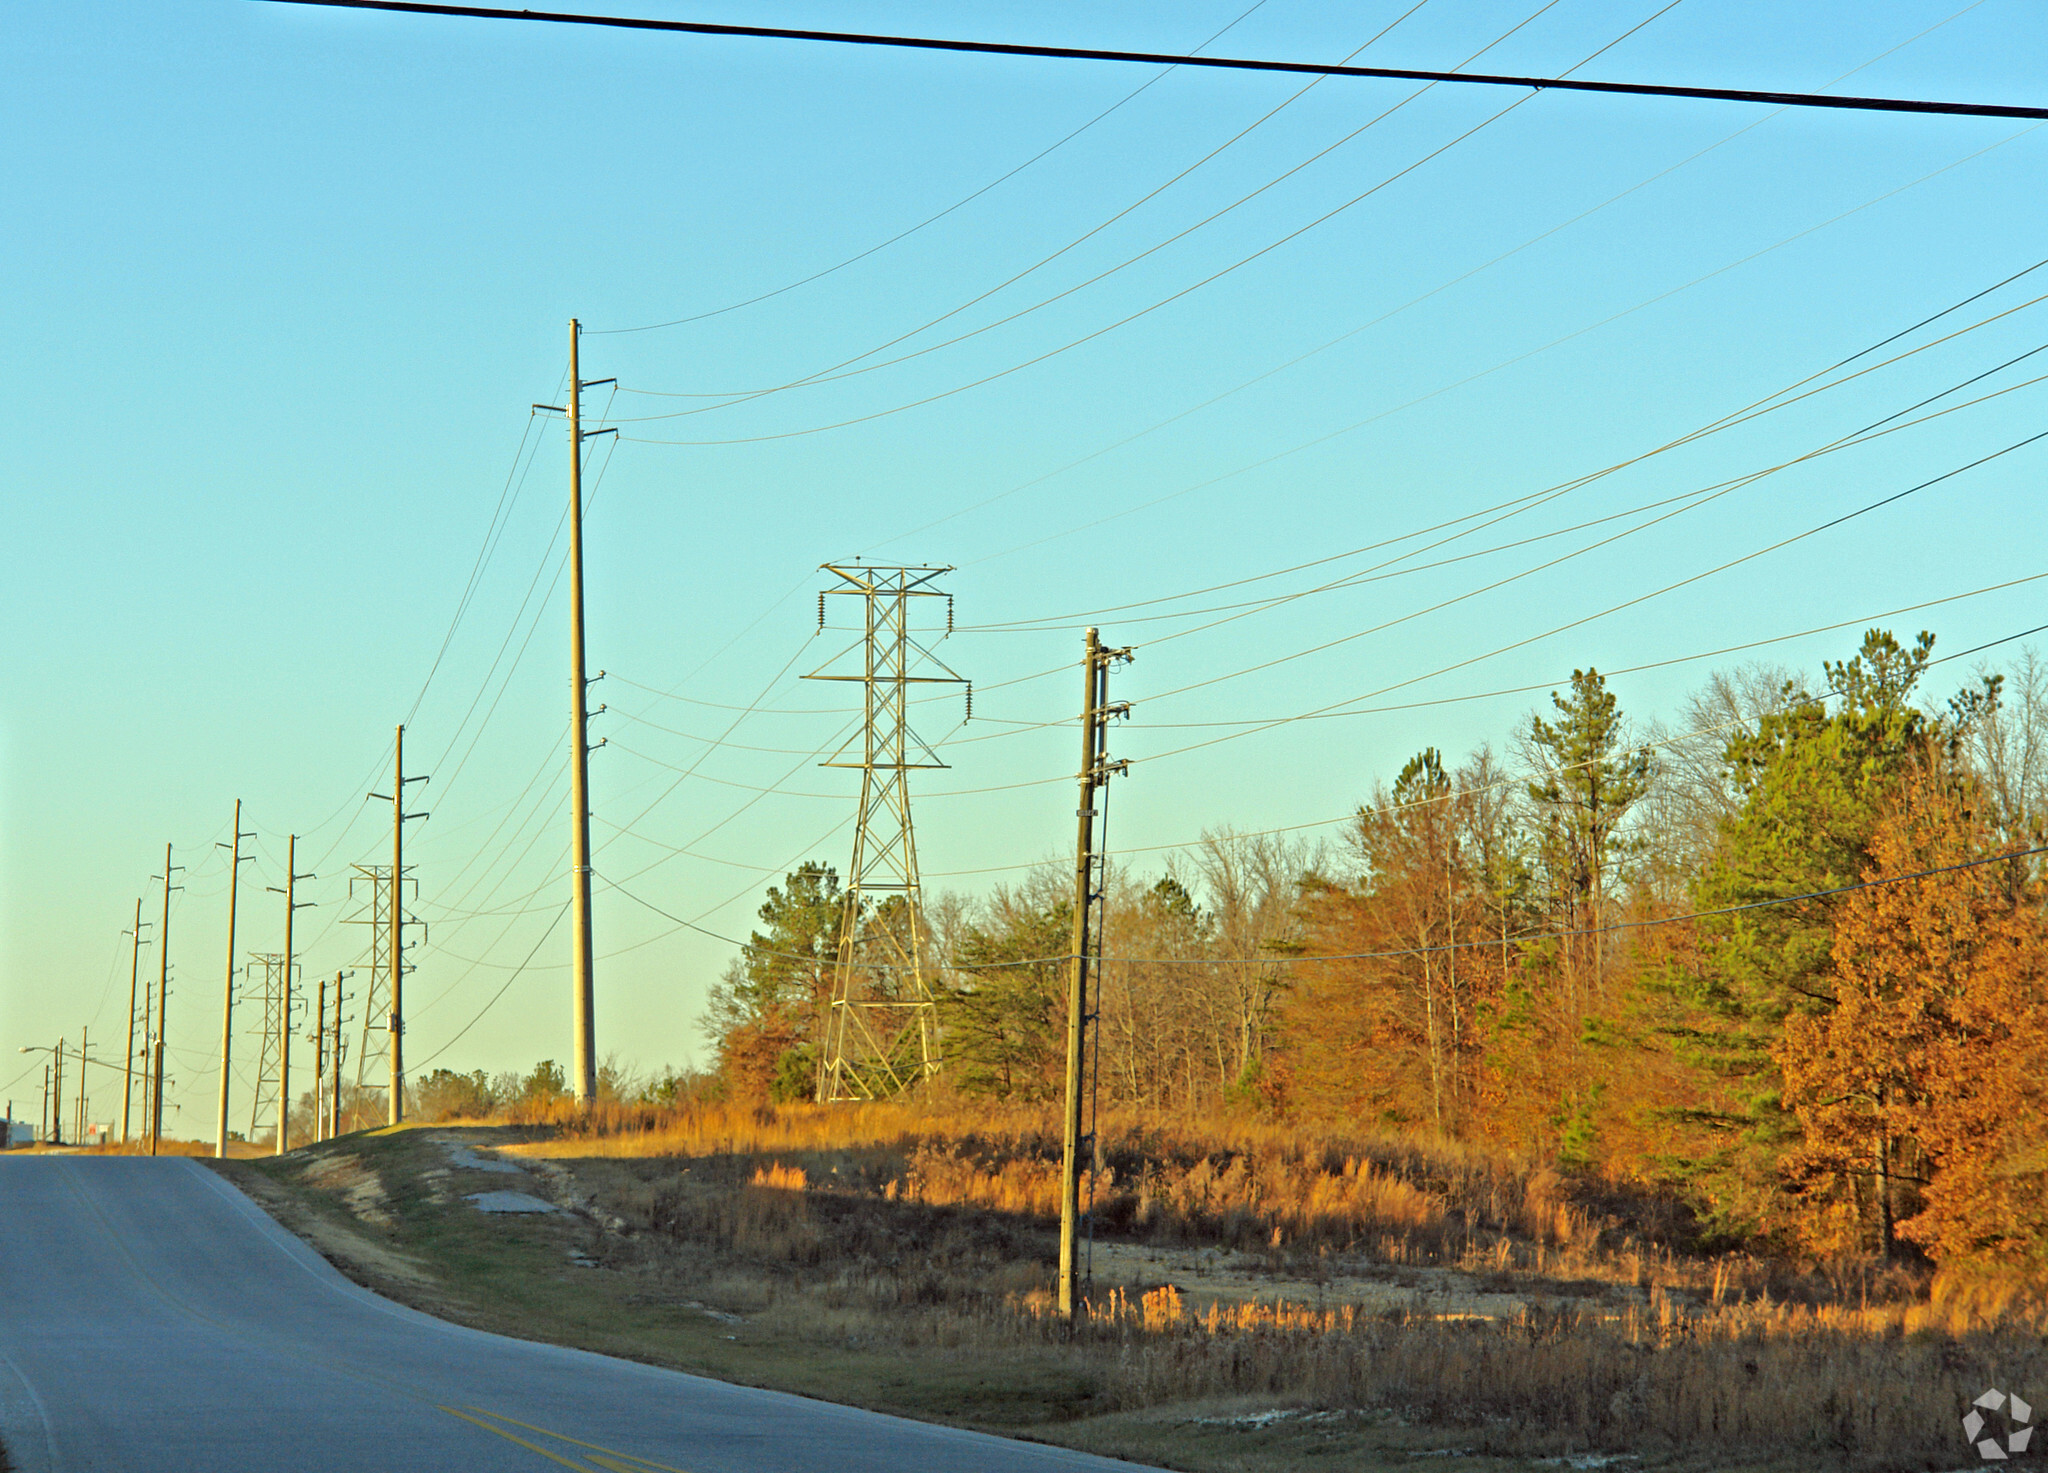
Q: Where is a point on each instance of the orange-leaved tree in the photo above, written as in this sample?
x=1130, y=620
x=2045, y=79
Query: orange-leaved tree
x=1920, y=1095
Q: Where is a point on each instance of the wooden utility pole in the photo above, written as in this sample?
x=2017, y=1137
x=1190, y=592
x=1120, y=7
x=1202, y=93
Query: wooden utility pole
x=292, y=906
x=583, y=993
x=1096, y=770
x=128, y=1058
x=78, y=1115
x=163, y=997
x=396, y=1111
x=334, y=1064
x=319, y=1042
x=227, y=1006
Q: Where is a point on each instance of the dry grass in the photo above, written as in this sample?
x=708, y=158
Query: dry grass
x=1237, y=1184
x=930, y=1228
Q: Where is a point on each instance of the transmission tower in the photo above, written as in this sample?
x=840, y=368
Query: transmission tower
x=881, y=1030
x=263, y=1094
x=372, y=1056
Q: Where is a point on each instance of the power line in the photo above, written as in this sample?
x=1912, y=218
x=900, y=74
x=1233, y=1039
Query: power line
x=1614, y=608
x=1692, y=502
x=1224, y=63
x=1692, y=735
x=1417, y=300
x=844, y=369
x=935, y=218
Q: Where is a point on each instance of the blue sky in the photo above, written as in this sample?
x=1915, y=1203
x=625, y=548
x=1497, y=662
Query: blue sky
x=282, y=284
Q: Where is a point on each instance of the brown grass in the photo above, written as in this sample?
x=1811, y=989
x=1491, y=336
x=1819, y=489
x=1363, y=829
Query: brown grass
x=922, y=1226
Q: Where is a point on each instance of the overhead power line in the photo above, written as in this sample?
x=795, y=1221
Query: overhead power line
x=1223, y=63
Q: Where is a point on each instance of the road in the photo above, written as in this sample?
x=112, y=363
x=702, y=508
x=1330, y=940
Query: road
x=152, y=1317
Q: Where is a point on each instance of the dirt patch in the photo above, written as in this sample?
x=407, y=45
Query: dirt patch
x=356, y=1254
x=357, y=1186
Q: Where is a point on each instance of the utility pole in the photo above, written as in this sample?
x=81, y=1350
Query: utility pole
x=128, y=1058
x=334, y=1064
x=582, y=997
x=318, y=1039
x=582, y=983
x=397, y=919
x=163, y=998
x=78, y=1116
x=1096, y=770
x=292, y=906
x=57, y=1094
x=227, y=1006
x=43, y=1124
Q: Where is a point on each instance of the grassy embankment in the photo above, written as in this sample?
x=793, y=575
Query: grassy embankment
x=1263, y=1300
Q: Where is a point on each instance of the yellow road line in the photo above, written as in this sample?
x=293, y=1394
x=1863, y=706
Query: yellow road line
x=630, y=1463
x=529, y=1446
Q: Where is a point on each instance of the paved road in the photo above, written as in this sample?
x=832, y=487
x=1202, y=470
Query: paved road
x=152, y=1317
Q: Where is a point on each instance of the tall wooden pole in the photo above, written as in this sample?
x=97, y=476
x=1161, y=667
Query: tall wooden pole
x=227, y=1005
x=583, y=994
x=284, y=1002
x=163, y=997
x=320, y=1065
x=1077, y=976
x=334, y=1064
x=396, y=1111
x=128, y=1059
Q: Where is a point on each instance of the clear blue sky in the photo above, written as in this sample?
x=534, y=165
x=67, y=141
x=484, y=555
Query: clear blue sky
x=282, y=283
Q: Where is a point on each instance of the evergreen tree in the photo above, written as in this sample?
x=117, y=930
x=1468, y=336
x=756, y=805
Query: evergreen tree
x=766, y=1015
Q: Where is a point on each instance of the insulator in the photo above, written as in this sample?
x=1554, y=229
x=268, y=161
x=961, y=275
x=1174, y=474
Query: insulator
x=949, y=613
x=970, y=704
x=821, y=610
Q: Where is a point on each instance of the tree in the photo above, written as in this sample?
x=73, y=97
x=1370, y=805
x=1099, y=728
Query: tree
x=1005, y=1016
x=1920, y=1092
x=1587, y=780
x=1251, y=882
x=1390, y=1027
x=1811, y=782
x=1157, y=1032
x=766, y=1015
x=447, y=1095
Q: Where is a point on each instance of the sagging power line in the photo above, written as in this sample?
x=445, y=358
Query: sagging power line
x=1223, y=63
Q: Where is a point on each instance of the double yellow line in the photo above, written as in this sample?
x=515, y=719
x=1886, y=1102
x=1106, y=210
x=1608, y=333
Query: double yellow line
x=592, y=1456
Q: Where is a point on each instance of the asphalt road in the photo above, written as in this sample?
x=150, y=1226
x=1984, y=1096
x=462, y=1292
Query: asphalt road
x=152, y=1317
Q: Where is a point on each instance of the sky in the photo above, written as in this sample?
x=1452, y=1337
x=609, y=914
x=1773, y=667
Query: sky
x=1364, y=412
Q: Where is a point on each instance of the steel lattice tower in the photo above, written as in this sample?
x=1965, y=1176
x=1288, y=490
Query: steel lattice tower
x=373, y=1053
x=263, y=1095
x=881, y=1030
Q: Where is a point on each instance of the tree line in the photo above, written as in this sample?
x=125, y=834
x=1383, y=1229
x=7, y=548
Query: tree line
x=1767, y=957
